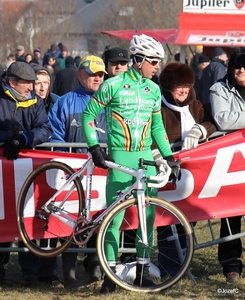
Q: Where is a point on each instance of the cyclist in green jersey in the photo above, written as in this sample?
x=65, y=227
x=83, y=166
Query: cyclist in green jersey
x=132, y=104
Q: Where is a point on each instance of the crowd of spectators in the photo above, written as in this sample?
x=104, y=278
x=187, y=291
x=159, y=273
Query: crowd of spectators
x=192, y=94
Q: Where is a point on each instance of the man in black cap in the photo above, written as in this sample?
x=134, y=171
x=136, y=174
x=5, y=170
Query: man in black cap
x=28, y=126
x=215, y=71
x=116, y=61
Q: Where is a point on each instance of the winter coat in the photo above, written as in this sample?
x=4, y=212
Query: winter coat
x=66, y=80
x=215, y=71
x=227, y=106
x=27, y=117
x=65, y=118
x=172, y=121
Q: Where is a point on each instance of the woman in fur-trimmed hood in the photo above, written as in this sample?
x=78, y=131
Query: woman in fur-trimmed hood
x=185, y=118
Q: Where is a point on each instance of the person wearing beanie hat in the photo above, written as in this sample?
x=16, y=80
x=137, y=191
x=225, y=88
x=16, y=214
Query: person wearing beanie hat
x=62, y=57
x=20, y=53
x=187, y=122
x=54, y=50
x=227, y=99
x=27, y=127
x=218, y=51
x=203, y=59
x=215, y=71
x=65, y=118
x=37, y=56
x=66, y=80
x=203, y=62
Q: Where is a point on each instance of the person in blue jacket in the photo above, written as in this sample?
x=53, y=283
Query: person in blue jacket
x=65, y=119
x=23, y=122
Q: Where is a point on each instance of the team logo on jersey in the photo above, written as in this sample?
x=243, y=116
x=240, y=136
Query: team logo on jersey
x=122, y=93
x=126, y=86
x=104, y=88
x=239, y=3
x=147, y=90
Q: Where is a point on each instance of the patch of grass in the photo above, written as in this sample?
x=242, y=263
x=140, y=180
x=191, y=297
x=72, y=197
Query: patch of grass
x=210, y=282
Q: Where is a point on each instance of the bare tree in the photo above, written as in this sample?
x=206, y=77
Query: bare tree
x=143, y=14
x=33, y=24
x=41, y=23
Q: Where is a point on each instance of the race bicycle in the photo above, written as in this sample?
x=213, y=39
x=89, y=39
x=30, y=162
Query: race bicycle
x=53, y=212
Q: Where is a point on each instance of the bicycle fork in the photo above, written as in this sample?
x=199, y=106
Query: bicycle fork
x=142, y=210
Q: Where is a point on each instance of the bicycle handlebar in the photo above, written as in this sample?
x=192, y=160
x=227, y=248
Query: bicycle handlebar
x=161, y=178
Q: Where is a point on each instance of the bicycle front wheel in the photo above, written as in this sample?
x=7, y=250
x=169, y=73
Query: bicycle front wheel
x=48, y=233
x=170, y=248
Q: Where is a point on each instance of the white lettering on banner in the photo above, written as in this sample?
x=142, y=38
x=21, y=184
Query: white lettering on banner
x=22, y=168
x=184, y=188
x=1, y=192
x=219, y=175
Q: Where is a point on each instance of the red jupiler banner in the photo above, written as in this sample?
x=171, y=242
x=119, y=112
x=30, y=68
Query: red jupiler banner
x=212, y=183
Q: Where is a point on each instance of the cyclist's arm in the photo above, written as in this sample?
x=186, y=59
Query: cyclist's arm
x=92, y=110
x=159, y=134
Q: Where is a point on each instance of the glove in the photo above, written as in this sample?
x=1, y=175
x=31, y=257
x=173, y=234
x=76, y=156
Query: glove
x=192, y=138
x=12, y=146
x=99, y=156
x=175, y=168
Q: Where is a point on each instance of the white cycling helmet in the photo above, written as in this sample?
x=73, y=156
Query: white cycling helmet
x=146, y=46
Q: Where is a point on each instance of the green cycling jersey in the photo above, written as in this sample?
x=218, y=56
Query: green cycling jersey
x=133, y=114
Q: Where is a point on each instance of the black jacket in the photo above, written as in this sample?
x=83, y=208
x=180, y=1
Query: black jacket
x=211, y=74
x=65, y=80
x=28, y=117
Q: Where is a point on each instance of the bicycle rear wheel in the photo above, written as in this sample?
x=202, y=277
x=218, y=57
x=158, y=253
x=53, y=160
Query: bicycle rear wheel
x=45, y=233
x=167, y=239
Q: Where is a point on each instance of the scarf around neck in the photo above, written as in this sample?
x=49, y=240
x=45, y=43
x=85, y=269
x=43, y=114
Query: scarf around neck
x=187, y=120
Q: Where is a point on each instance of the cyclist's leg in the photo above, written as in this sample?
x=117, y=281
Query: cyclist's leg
x=116, y=181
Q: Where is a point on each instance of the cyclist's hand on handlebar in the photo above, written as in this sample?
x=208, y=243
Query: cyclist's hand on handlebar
x=99, y=156
x=175, y=166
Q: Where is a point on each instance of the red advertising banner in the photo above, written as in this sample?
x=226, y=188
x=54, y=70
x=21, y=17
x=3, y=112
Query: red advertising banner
x=212, y=184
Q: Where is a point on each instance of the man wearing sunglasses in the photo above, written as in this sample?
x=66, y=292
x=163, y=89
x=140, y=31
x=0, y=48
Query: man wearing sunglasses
x=132, y=104
x=227, y=99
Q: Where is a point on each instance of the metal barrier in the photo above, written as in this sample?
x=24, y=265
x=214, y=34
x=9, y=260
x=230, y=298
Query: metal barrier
x=198, y=245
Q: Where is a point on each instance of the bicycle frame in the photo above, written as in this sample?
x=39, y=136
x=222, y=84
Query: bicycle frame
x=138, y=186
